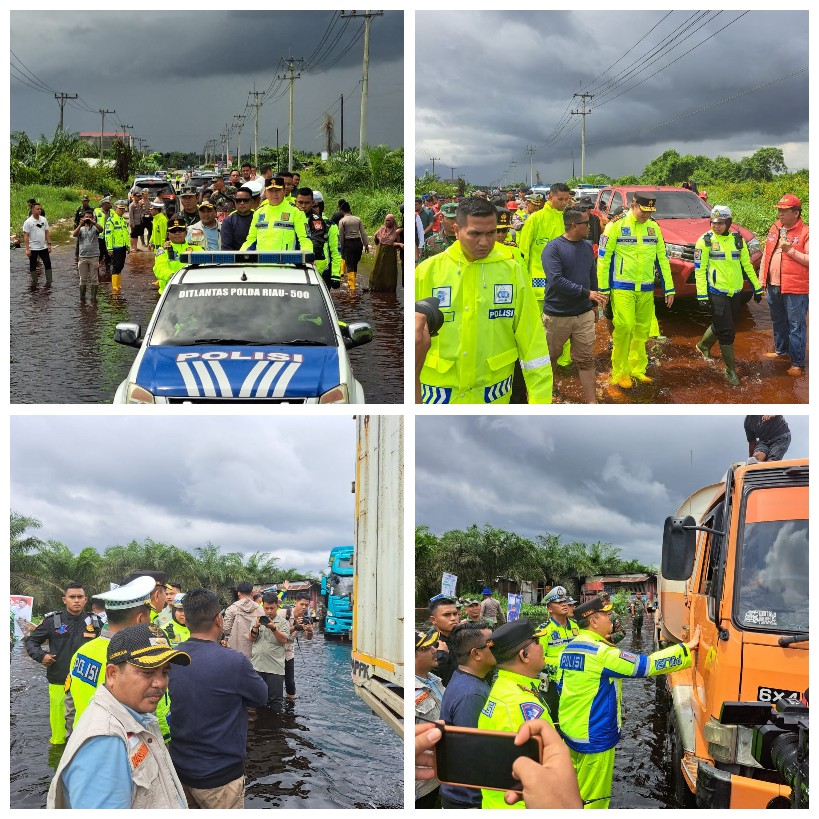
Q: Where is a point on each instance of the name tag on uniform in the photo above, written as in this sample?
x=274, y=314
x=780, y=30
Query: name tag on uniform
x=87, y=670
x=503, y=293
x=444, y=296
x=572, y=662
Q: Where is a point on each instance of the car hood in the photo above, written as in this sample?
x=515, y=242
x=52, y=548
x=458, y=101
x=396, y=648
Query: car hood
x=239, y=372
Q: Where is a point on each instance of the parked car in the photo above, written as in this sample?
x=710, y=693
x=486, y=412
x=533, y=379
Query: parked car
x=158, y=188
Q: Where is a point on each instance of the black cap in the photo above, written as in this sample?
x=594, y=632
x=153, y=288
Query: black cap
x=144, y=646
x=424, y=639
x=177, y=222
x=647, y=200
x=591, y=606
x=274, y=182
x=504, y=219
x=160, y=577
x=509, y=638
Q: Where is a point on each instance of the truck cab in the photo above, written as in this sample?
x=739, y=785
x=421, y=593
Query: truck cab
x=337, y=585
x=738, y=571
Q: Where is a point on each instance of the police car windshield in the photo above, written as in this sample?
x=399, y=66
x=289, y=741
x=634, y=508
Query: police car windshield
x=244, y=314
x=681, y=204
x=773, y=576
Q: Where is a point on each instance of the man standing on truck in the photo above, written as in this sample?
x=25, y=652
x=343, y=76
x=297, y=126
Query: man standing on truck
x=720, y=259
x=769, y=437
x=630, y=248
x=591, y=695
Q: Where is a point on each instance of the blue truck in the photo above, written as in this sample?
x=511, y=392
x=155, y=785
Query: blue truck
x=337, y=585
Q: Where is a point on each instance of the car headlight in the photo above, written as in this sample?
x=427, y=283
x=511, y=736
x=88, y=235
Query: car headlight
x=138, y=395
x=331, y=621
x=674, y=251
x=753, y=244
x=337, y=395
x=721, y=739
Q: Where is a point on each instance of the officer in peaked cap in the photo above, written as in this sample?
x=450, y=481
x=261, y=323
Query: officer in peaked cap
x=558, y=632
x=125, y=606
x=158, y=597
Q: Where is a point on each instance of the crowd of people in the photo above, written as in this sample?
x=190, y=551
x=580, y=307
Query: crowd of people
x=560, y=681
x=149, y=692
x=521, y=289
x=267, y=210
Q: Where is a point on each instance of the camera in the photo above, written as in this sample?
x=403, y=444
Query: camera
x=780, y=740
x=264, y=619
x=430, y=307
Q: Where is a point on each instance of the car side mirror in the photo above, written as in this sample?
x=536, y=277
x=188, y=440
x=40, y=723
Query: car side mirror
x=128, y=334
x=357, y=333
x=679, y=544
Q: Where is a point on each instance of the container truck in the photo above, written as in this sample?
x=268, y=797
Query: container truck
x=378, y=594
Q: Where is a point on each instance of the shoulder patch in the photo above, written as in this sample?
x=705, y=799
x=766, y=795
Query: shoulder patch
x=625, y=655
x=489, y=708
x=531, y=710
x=555, y=635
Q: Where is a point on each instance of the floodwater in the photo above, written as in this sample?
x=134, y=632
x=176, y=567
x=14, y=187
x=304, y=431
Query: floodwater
x=326, y=751
x=64, y=352
x=680, y=374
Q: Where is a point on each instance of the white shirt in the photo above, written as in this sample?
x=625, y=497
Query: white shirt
x=36, y=230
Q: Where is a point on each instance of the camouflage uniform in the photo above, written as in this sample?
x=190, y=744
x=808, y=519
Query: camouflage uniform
x=435, y=244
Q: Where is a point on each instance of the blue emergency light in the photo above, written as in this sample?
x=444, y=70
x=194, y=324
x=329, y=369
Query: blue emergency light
x=250, y=257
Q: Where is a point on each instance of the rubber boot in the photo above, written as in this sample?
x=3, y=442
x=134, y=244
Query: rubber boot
x=705, y=344
x=93, y=297
x=115, y=281
x=48, y=276
x=82, y=292
x=34, y=277
x=565, y=359
x=730, y=366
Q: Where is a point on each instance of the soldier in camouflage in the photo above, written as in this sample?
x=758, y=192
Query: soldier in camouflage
x=442, y=239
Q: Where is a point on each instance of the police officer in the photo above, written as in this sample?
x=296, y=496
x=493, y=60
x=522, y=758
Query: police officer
x=590, y=697
x=116, y=242
x=323, y=235
x=504, y=238
x=190, y=206
x=177, y=630
x=159, y=224
x=491, y=318
x=720, y=258
x=558, y=632
x=444, y=616
x=64, y=631
x=515, y=696
x=102, y=214
x=630, y=248
x=277, y=225
x=571, y=602
x=429, y=691
x=126, y=606
x=167, y=261
x=443, y=238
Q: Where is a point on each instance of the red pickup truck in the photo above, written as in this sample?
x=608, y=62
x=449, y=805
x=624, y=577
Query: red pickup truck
x=683, y=218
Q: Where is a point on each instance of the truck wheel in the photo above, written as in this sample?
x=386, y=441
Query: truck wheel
x=682, y=793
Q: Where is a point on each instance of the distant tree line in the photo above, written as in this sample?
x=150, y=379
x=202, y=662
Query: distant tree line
x=42, y=568
x=479, y=555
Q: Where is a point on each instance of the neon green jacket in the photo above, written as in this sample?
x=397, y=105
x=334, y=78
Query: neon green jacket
x=167, y=263
x=176, y=633
x=719, y=265
x=589, y=714
x=116, y=232
x=555, y=640
x=490, y=320
x=512, y=700
x=159, y=230
x=538, y=230
x=279, y=227
x=629, y=254
x=516, y=253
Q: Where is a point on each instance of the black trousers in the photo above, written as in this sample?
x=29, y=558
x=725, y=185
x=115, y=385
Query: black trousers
x=32, y=260
x=353, y=248
x=117, y=260
x=275, y=690
x=290, y=676
x=724, y=312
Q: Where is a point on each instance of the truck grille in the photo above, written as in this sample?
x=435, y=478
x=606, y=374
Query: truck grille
x=688, y=253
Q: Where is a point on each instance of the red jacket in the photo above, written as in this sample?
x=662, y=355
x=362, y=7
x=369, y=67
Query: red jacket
x=794, y=272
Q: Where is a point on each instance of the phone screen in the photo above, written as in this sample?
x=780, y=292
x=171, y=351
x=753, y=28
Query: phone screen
x=482, y=759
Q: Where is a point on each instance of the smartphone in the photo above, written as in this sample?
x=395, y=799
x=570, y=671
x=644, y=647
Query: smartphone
x=471, y=758
x=264, y=619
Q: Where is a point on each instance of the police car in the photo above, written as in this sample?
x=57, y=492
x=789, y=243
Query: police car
x=235, y=327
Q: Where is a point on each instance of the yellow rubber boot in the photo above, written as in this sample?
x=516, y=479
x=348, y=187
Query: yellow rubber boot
x=566, y=356
x=115, y=282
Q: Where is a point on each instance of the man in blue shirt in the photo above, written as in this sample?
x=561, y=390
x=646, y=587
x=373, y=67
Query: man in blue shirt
x=209, y=709
x=466, y=695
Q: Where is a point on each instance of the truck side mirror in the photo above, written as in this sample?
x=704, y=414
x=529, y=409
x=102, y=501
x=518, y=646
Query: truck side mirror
x=679, y=544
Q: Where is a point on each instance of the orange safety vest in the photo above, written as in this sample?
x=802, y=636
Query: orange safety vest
x=794, y=274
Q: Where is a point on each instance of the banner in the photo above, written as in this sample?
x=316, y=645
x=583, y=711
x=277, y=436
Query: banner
x=448, y=584
x=513, y=604
x=21, y=607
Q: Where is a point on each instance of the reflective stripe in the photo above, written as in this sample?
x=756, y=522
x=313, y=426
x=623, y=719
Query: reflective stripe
x=498, y=390
x=538, y=282
x=435, y=395
x=645, y=287
x=534, y=363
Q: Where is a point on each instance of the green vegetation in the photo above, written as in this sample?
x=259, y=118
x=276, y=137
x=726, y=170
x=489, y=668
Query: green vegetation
x=41, y=569
x=478, y=556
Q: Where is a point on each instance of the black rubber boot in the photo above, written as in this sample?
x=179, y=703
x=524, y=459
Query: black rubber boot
x=730, y=365
x=94, y=289
x=48, y=276
x=82, y=292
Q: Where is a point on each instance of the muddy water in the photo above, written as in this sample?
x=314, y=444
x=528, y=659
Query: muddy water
x=326, y=751
x=64, y=352
x=679, y=372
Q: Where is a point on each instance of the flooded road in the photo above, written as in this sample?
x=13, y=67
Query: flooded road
x=64, y=352
x=679, y=372
x=326, y=751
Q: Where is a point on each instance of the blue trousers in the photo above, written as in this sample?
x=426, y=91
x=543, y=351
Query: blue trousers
x=789, y=312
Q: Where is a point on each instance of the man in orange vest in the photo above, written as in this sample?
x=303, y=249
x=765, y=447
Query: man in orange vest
x=784, y=275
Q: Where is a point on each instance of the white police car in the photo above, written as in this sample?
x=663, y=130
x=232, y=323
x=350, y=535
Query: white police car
x=235, y=327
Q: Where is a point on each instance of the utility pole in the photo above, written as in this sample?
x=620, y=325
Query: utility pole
x=367, y=15
x=452, y=171
x=125, y=132
x=241, y=120
x=292, y=66
x=61, y=98
x=530, y=149
x=103, y=112
x=342, y=122
x=256, y=103
x=583, y=113
x=512, y=174
x=433, y=159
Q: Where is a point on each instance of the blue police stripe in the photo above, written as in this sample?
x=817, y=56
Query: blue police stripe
x=538, y=282
x=435, y=395
x=497, y=390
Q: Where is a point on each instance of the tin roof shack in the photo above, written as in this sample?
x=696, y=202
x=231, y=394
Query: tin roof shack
x=612, y=583
x=530, y=590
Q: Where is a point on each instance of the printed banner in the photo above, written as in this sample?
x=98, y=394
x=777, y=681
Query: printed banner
x=21, y=607
x=514, y=602
x=448, y=584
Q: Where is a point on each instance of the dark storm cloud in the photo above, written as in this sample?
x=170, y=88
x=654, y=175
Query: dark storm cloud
x=244, y=484
x=179, y=77
x=488, y=111
x=613, y=479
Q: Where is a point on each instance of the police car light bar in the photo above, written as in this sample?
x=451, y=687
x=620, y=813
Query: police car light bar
x=247, y=257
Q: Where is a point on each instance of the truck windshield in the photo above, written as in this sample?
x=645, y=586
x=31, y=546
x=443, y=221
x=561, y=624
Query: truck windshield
x=343, y=587
x=773, y=571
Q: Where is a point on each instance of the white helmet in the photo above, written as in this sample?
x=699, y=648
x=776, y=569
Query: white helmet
x=720, y=212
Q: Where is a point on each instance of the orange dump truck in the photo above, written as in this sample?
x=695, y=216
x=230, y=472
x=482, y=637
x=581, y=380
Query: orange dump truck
x=735, y=564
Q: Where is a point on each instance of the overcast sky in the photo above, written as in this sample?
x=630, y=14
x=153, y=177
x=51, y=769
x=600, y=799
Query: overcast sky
x=588, y=478
x=179, y=77
x=509, y=79
x=246, y=484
